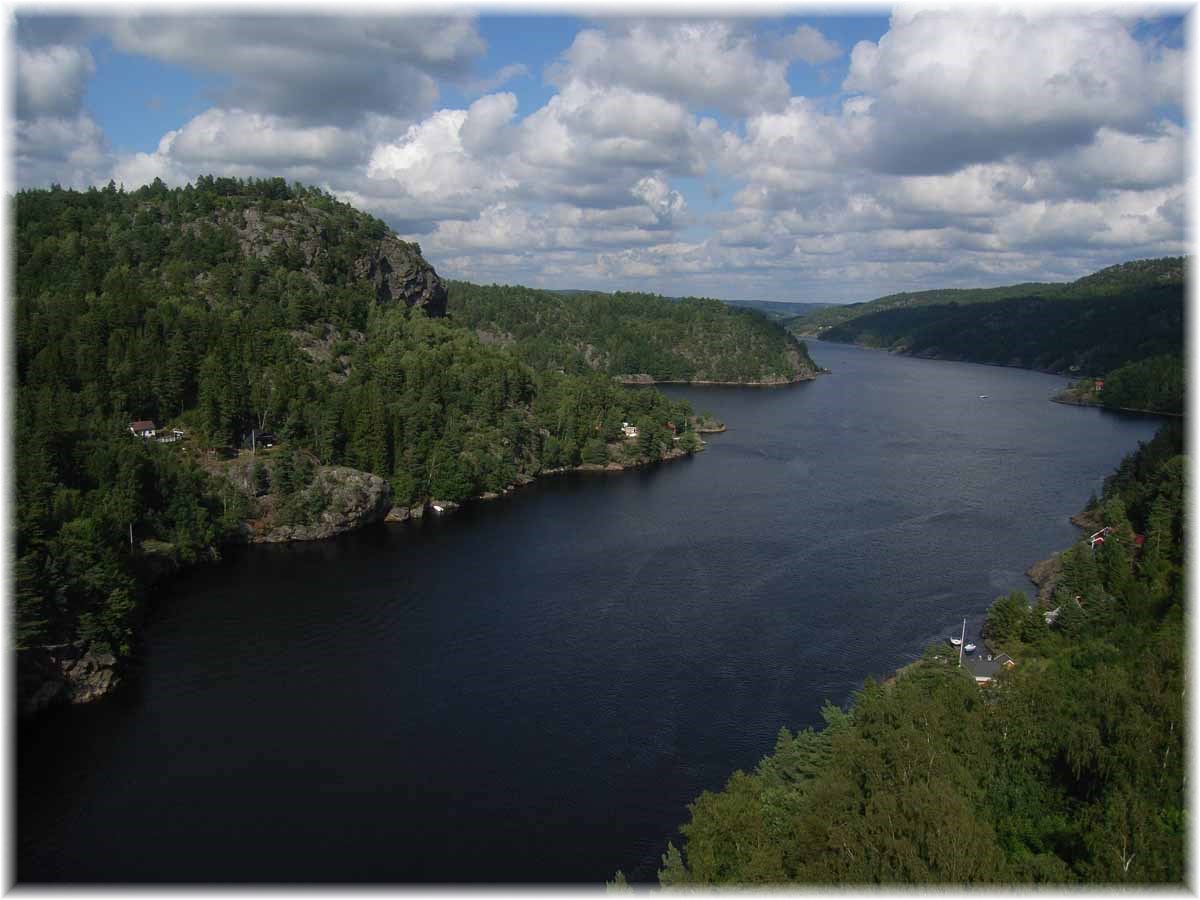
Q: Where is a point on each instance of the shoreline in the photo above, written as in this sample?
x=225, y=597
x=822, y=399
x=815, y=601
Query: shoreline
x=1057, y=398
x=73, y=674
x=1042, y=574
x=443, y=507
x=634, y=380
x=1069, y=401
x=973, y=362
x=630, y=382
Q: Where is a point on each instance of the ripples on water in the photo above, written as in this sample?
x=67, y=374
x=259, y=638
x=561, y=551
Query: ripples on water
x=533, y=689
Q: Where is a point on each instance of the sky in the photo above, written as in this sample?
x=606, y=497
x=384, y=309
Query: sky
x=792, y=155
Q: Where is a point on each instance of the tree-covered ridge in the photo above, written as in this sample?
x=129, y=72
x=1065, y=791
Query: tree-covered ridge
x=1068, y=769
x=622, y=334
x=227, y=307
x=818, y=321
x=1090, y=335
x=1124, y=277
x=1130, y=276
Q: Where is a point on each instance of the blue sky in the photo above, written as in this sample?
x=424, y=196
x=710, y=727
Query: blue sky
x=799, y=157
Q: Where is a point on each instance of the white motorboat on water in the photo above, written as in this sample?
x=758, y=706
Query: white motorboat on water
x=969, y=648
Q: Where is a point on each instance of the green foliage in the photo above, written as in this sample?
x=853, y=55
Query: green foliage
x=1008, y=618
x=681, y=339
x=619, y=884
x=1123, y=278
x=1051, y=333
x=594, y=452
x=260, y=477
x=1156, y=384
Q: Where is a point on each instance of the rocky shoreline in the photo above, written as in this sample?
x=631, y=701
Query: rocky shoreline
x=778, y=381
x=73, y=673
x=405, y=514
x=63, y=673
x=1069, y=400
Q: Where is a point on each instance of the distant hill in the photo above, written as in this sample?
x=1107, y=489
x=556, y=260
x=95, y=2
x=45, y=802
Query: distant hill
x=1108, y=281
x=779, y=310
x=1100, y=322
x=775, y=310
x=632, y=334
x=815, y=322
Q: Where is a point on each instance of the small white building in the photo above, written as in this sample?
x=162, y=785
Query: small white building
x=630, y=431
x=170, y=437
x=143, y=428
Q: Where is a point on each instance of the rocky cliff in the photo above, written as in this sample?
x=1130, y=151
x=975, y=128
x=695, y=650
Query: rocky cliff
x=397, y=271
x=62, y=673
x=336, y=500
x=394, y=268
x=350, y=500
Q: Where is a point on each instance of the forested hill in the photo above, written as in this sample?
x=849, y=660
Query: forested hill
x=632, y=334
x=1119, y=279
x=817, y=322
x=1122, y=315
x=228, y=308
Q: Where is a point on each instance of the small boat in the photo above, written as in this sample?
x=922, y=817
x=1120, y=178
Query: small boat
x=954, y=642
x=969, y=648
x=983, y=396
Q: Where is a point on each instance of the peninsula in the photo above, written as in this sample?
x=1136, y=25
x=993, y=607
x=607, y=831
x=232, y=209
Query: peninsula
x=255, y=361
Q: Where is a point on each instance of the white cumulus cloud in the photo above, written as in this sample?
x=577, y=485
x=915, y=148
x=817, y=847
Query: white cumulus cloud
x=51, y=80
x=705, y=64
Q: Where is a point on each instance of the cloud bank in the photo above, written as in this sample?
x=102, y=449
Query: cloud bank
x=961, y=147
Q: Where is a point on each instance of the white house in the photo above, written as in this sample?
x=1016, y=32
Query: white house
x=170, y=437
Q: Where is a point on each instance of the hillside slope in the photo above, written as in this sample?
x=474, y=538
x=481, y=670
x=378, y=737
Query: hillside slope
x=627, y=335
x=1120, y=315
x=229, y=309
x=1122, y=278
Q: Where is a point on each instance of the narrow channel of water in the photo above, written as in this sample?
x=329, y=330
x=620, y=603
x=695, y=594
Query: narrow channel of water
x=533, y=689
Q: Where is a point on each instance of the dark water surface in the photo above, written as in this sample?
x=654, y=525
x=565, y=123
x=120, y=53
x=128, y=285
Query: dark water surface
x=533, y=689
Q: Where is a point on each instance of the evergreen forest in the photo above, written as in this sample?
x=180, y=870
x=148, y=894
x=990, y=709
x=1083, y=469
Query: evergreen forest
x=1123, y=324
x=623, y=334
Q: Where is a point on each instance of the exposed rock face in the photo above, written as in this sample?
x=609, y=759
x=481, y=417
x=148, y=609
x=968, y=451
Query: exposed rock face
x=352, y=499
x=800, y=362
x=259, y=234
x=398, y=272
x=62, y=673
x=395, y=268
x=1045, y=575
